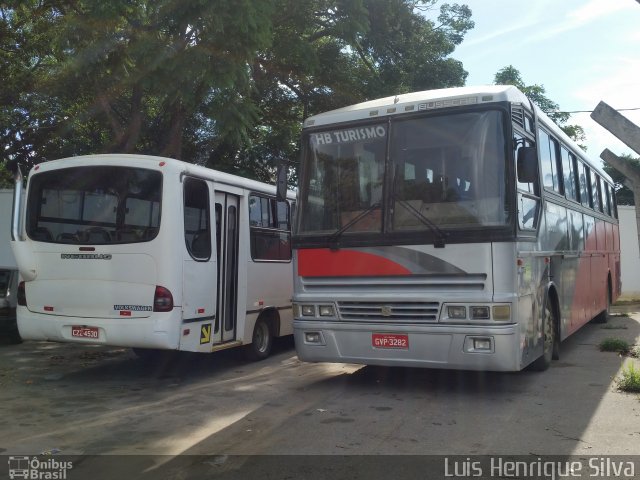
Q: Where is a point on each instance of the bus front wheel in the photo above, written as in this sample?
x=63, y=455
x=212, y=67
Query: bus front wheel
x=261, y=341
x=550, y=342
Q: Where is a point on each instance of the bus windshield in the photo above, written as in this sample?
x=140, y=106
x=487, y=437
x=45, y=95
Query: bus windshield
x=443, y=170
x=94, y=205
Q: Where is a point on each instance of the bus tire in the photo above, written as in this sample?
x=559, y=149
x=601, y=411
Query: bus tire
x=603, y=317
x=550, y=339
x=261, y=341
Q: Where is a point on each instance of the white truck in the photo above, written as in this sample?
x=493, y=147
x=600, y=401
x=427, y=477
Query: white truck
x=8, y=272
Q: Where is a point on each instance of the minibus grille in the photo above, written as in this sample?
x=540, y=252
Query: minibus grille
x=396, y=312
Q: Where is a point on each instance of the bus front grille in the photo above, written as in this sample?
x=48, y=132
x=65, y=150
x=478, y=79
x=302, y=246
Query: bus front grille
x=400, y=312
x=419, y=284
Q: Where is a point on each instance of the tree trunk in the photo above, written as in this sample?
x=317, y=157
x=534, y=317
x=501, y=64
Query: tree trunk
x=173, y=147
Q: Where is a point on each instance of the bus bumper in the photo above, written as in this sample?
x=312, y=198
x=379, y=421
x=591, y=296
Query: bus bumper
x=429, y=346
x=157, y=331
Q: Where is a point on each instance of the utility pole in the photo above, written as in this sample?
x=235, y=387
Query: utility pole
x=628, y=133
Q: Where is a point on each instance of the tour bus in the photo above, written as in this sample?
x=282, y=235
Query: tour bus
x=151, y=253
x=457, y=228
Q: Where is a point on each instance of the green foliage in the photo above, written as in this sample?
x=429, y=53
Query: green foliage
x=629, y=381
x=217, y=82
x=537, y=93
x=6, y=179
x=614, y=345
x=624, y=195
x=328, y=54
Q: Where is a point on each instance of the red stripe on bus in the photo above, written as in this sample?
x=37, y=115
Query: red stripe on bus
x=345, y=263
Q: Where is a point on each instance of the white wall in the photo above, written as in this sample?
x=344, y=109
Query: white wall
x=629, y=251
x=6, y=204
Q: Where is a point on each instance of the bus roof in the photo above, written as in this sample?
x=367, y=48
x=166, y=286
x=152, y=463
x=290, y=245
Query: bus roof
x=444, y=98
x=415, y=101
x=157, y=163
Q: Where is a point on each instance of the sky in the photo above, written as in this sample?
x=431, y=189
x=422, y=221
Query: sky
x=581, y=51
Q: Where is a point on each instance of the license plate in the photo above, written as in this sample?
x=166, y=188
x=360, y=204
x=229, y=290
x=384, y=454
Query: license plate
x=85, y=332
x=390, y=340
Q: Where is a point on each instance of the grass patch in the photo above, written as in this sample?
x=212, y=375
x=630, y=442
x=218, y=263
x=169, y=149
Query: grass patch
x=627, y=301
x=615, y=345
x=629, y=381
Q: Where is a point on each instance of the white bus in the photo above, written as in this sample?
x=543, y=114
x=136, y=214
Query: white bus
x=456, y=228
x=151, y=253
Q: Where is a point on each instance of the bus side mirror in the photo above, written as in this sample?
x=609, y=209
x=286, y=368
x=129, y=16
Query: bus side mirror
x=281, y=183
x=527, y=165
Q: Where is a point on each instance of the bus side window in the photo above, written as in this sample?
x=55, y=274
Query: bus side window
x=197, y=231
x=583, y=182
x=270, y=229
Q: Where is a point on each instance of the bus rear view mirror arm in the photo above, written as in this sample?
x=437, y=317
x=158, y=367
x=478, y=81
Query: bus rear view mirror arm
x=527, y=165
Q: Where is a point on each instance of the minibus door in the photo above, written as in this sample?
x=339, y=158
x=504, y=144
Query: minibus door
x=226, y=216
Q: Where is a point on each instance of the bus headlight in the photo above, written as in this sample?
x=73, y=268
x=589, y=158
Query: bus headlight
x=502, y=312
x=308, y=310
x=326, y=311
x=480, y=313
x=457, y=311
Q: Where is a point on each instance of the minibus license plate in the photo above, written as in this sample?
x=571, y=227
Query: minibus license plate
x=390, y=340
x=84, y=332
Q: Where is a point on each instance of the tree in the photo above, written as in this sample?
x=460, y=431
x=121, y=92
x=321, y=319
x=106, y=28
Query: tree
x=537, y=93
x=217, y=82
x=624, y=195
x=328, y=54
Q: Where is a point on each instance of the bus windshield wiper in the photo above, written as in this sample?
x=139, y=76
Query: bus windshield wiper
x=441, y=236
x=333, y=238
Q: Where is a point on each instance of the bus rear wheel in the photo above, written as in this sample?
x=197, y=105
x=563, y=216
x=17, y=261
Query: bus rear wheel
x=603, y=317
x=550, y=340
x=261, y=341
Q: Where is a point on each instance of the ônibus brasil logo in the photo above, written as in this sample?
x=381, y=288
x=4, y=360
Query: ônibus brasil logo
x=32, y=468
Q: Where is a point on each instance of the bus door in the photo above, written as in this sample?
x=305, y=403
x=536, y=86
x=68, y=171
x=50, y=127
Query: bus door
x=199, y=269
x=226, y=217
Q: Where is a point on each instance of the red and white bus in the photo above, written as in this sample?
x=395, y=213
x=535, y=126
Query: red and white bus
x=151, y=253
x=456, y=228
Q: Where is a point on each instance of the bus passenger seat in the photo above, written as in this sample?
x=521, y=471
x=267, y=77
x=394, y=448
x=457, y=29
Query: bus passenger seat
x=42, y=234
x=201, y=244
x=66, y=238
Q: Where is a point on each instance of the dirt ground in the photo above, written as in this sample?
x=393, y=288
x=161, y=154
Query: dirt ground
x=74, y=400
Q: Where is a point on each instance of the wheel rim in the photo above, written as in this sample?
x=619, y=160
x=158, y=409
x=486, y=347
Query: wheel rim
x=261, y=339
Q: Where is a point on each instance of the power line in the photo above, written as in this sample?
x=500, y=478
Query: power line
x=591, y=111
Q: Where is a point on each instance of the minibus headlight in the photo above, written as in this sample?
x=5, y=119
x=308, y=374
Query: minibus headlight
x=457, y=311
x=501, y=312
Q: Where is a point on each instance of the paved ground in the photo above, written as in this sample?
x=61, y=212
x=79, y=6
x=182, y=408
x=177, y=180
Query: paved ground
x=72, y=400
